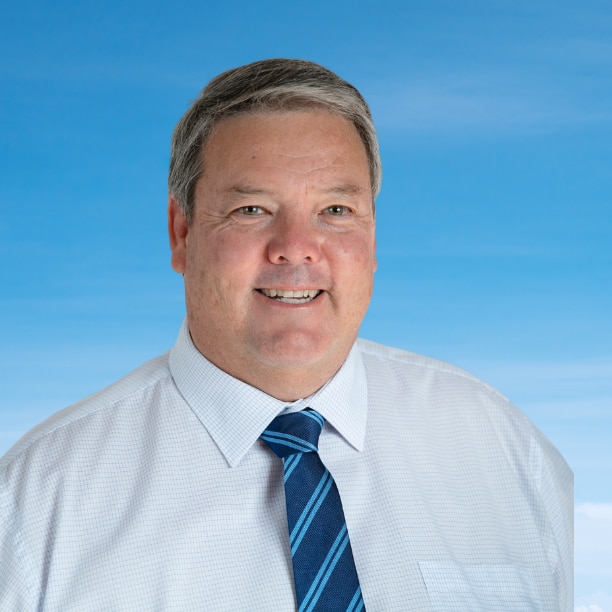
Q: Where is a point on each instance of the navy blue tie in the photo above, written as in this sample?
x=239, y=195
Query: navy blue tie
x=323, y=567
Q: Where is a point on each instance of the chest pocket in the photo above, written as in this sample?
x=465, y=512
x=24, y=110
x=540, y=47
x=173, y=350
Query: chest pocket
x=479, y=588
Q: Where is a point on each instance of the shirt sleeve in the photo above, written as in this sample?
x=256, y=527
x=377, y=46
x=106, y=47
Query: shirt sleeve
x=15, y=586
x=555, y=483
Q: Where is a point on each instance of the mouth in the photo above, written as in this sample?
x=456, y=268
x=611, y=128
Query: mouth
x=299, y=296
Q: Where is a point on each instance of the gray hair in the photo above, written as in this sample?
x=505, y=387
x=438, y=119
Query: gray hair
x=271, y=85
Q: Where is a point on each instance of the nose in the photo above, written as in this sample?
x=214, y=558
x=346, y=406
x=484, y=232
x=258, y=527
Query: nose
x=294, y=241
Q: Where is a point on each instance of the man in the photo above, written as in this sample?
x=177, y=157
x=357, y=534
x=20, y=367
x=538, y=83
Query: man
x=165, y=491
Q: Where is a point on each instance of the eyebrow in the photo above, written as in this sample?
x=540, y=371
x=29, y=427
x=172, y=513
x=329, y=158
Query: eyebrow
x=237, y=192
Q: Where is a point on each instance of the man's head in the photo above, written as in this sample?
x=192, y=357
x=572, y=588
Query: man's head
x=272, y=223
x=267, y=85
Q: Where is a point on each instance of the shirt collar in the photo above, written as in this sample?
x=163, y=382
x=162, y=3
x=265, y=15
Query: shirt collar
x=235, y=413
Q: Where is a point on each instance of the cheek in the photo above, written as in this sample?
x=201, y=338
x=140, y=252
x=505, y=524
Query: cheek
x=236, y=258
x=221, y=267
x=353, y=272
x=357, y=256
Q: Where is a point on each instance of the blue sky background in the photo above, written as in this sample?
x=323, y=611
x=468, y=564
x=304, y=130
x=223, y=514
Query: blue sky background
x=494, y=221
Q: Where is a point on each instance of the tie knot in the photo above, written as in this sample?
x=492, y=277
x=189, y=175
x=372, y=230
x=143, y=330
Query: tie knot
x=298, y=432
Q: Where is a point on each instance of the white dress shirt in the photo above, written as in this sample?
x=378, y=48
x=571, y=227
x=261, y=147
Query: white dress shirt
x=156, y=494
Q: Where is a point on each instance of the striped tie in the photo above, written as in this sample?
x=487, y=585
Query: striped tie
x=323, y=567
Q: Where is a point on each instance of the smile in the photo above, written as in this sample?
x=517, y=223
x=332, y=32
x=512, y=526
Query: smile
x=301, y=296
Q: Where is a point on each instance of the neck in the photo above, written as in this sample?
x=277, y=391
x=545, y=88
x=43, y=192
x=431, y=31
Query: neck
x=288, y=386
x=285, y=383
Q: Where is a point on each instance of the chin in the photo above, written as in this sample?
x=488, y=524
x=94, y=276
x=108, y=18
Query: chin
x=298, y=350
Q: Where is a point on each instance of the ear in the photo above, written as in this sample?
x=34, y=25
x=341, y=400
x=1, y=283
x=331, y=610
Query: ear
x=178, y=228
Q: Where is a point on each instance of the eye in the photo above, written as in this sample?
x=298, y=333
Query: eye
x=251, y=210
x=337, y=210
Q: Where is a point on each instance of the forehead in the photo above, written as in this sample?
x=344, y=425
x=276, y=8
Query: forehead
x=301, y=140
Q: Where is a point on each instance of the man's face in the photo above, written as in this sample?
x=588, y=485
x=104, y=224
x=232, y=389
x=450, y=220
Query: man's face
x=280, y=256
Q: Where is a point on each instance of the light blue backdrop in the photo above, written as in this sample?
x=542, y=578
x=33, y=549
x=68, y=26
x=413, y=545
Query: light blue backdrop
x=494, y=222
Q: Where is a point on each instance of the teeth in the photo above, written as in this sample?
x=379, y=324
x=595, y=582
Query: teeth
x=300, y=296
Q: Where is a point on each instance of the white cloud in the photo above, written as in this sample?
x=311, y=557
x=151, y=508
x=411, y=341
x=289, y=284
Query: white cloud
x=595, y=511
x=593, y=540
x=597, y=602
x=498, y=101
x=582, y=53
x=457, y=104
x=589, y=608
x=556, y=390
x=594, y=371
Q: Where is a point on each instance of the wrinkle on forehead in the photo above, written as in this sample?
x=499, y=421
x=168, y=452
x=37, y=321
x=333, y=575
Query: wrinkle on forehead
x=342, y=189
x=251, y=155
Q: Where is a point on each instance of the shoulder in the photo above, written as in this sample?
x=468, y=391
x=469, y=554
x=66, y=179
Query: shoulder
x=86, y=416
x=448, y=397
x=414, y=369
